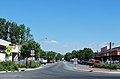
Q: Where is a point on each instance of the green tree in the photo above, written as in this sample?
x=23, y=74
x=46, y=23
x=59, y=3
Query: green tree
x=11, y=31
x=81, y=54
x=85, y=54
x=59, y=56
x=39, y=52
x=88, y=53
x=68, y=56
x=42, y=54
x=74, y=54
x=28, y=36
x=28, y=46
x=4, y=25
x=22, y=33
x=14, y=33
x=51, y=55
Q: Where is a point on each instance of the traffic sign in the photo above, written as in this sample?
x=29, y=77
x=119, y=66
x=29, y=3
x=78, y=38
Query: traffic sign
x=8, y=50
x=75, y=61
x=32, y=52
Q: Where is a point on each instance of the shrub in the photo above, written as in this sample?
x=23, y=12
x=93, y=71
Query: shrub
x=1, y=67
x=8, y=66
x=107, y=66
x=22, y=65
x=35, y=64
x=118, y=66
x=32, y=64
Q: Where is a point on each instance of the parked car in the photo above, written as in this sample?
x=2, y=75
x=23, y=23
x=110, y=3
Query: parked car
x=94, y=61
x=42, y=61
x=84, y=62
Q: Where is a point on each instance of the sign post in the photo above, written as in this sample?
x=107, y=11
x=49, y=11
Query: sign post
x=32, y=54
x=75, y=61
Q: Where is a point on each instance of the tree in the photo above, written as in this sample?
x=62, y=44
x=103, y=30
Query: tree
x=59, y=56
x=28, y=36
x=80, y=54
x=14, y=33
x=11, y=31
x=43, y=54
x=68, y=56
x=39, y=52
x=74, y=54
x=51, y=55
x=28, y=46
x=88, y=53
x=4, y=25
x=22, y=33
x=85, y=54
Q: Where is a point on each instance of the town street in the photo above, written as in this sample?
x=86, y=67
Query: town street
x=61, y=70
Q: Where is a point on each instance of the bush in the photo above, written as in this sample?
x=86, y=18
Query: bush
x=1, y=67
x=107, y=66
x=31, y=64
x=35, y=64
x=8, y=66
x=22, y=65
x=118, y=66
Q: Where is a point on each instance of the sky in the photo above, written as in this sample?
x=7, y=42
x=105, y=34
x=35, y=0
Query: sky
x=67, y=24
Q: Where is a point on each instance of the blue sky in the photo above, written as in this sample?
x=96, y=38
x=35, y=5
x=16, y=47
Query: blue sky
x=67, y=24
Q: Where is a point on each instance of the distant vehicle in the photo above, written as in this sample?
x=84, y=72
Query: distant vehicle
x=84, y=62
x=42, y=61
x=94, y=61
x=51, y=61
x=74, y=60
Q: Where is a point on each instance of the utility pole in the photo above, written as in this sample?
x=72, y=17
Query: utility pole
x=110, y=54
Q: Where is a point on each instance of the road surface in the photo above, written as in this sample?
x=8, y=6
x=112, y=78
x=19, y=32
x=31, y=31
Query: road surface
x=59, y=70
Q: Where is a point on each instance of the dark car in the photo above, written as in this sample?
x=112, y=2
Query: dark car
x=84, y=62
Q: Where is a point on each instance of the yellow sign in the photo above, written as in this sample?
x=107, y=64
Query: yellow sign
x=8, y=50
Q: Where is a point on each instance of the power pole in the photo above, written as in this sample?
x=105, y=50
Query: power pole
x=110, y=54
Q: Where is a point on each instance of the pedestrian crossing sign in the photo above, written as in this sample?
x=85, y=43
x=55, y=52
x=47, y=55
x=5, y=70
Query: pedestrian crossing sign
x=8, y=50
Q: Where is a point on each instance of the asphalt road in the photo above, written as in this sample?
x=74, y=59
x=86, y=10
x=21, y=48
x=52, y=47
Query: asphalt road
x=57, y=71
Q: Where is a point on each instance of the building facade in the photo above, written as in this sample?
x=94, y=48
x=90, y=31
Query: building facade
x=15, y=51
x=3, y=55
x=104, y=55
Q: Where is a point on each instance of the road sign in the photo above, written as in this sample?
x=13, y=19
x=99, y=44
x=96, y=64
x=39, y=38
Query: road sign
x=75, y=61
x=32, y=53
x=8, y=50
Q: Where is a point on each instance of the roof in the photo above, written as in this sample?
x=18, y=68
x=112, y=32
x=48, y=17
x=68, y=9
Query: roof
x=4, y=43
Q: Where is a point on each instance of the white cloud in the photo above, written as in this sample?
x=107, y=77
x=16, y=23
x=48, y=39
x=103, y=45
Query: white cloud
x=51, y=42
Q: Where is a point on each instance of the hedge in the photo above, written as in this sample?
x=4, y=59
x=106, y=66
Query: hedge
x=31, y=64
x=8, y=66
x=11, y=66
x=107, y=66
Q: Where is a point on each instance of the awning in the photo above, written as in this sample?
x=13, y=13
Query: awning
x=4, y=43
